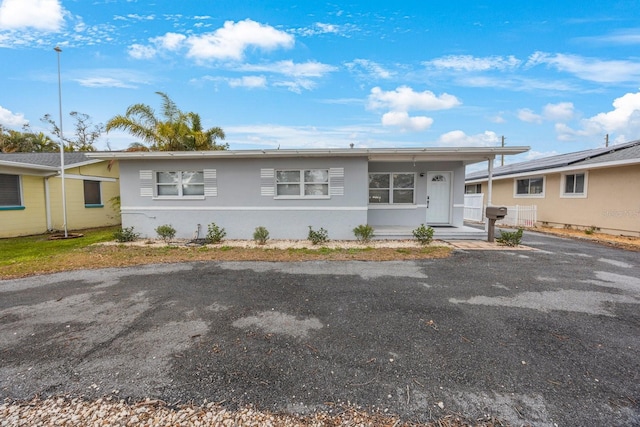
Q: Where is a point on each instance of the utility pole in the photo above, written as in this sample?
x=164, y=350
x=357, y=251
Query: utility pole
x=502, y=161
x=606, y=140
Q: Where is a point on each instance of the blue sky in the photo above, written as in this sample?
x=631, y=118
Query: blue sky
x=554, y=75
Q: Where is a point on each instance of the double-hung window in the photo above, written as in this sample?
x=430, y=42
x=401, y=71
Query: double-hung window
x=302, y=183
x=530, y=187
x=92, y=194
x=391, y=188
x=180, y=184
x=574, y=185
x=10, y=191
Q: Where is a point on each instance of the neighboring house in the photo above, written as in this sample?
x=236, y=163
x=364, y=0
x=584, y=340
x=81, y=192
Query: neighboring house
x=286, y=191
x=591, y=188
x=31, y=193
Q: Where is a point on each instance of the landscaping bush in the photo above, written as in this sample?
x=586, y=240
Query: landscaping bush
x=166, y=232
x=215, y=234
x=363, y=233
x=510, y=238
x=125, y=235
x=318, y=237
x=423, y=234
x=261, y=235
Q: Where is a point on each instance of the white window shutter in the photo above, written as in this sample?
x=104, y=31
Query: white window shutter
x=336, y=182
x=267, y=182
x=146, y=183
x=210, y=183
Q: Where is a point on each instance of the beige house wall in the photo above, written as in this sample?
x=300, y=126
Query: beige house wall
x=79, y=216
x=30, y=220
x=612, y=201
x=33, y=218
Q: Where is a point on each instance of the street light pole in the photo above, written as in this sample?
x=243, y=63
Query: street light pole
x=64, y=197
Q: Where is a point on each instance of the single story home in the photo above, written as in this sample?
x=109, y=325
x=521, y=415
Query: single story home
x=592, y=188
x=286, y=191
x=31, y=193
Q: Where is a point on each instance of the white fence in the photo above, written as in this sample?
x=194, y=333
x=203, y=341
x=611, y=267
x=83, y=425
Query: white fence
x=517, y=216
x=474, y=207
x=520, y=216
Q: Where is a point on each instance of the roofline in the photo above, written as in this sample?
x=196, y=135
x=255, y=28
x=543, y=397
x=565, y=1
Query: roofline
x=45, y=168
x=577, y=167
x=479, y=153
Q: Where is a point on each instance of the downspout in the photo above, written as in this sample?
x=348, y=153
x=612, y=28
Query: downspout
x=47, y=203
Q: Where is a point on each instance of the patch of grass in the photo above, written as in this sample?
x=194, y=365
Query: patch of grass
x=35, y=248
x=29, y=256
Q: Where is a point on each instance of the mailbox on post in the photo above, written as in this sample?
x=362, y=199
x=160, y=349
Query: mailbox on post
x=494, y=213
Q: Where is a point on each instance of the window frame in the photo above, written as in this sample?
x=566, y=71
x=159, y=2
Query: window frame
x=478, y=188
x=540, y=195
x=18, y=189
x=302, y=183
x=563, y=182
x=99, y=184
x=180, y=183
x=391, y=189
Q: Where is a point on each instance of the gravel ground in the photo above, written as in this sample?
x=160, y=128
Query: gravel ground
x=67, y=411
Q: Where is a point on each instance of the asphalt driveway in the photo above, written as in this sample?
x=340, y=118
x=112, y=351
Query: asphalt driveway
x=548, y=336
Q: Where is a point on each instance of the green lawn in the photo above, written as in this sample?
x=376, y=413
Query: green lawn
x=31, y=248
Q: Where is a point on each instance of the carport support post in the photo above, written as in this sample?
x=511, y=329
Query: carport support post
x=489, y=191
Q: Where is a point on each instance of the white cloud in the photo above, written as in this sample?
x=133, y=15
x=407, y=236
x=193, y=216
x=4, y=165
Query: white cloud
x=290, y=68
x=405, y=98
x=104, y=82
x=618, y=37
x=324, y=28
x=623, y=121
x=111, y=77
x=170, y=41
x=366, y=68
x=402, y=120
x=458, y=138
x=43, y=15
x=591, y=69
x=9, y=119
x=527, y=115
x=297, y=85
x=232, y=40
x=251, y=82
x=471, y=63
x=139, y=51
x=560, y=112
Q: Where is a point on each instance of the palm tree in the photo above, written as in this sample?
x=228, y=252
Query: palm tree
x=174, y=131
x=13, y=141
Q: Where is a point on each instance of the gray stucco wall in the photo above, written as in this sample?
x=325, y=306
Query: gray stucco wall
x=239, y=205
x=416, y=214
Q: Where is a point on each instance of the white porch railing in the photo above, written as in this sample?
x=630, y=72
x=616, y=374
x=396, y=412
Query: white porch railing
x=474, y=207
x=520, y=216
x=517, y=216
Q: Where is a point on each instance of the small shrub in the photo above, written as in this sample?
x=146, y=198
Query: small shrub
x=423, y=234
x=318, y=237
x=591, y=230
x=363, y=233
x=215, y=234
x=510, y=238
x=166, y=232
x=261, y=235
x=125, y=235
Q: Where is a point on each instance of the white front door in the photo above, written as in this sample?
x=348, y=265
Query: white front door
x=438, y=198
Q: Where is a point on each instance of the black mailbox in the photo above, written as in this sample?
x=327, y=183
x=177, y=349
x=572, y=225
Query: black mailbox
x=495, y=212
